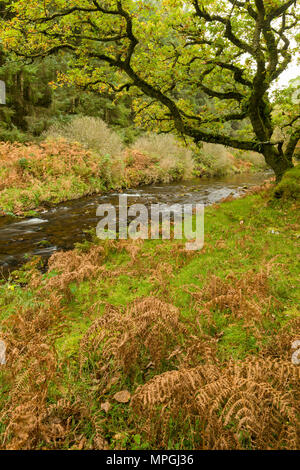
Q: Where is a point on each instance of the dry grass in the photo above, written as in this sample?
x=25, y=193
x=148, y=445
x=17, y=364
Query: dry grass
x=215, y=405
x=252, y=158
x=22, y=165
x=245, y=298
x=52, y=171
x=151, y=159
x=31, y=366
x=84, y=157
x=279, y=344
x=74, y=266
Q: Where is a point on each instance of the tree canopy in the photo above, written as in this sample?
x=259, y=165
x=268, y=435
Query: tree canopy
x=164, y=53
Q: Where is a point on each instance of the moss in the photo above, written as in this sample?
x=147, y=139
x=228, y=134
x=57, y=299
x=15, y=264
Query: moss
x=289, y=186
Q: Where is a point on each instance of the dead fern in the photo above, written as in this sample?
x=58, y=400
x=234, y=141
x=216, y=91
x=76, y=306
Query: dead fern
x=145, y=335
x=72, y=266
x=32, y=421
x=246, y=298
x=253, y=405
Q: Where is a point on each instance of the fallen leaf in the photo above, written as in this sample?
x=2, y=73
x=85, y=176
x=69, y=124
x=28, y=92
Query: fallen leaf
x=106, y=406
x=122, y=397
x=119, y=436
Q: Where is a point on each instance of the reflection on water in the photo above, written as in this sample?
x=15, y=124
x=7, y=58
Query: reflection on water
x=65, y=224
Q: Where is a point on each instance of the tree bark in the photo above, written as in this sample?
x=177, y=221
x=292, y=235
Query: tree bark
x=278, y=161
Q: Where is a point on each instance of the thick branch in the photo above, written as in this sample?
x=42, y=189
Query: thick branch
x=202, y=13
x=222, y=118
x=68, y=12
x=280, y=10
x=238, y=73
x=230, y=95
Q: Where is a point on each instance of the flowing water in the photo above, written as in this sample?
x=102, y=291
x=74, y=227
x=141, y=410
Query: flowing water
x=65, y=224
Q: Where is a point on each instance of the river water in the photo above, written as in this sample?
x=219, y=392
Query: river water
x=65, y=224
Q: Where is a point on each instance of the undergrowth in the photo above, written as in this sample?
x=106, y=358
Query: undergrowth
x=86, y=157
x=143, y=345
x=33, y=176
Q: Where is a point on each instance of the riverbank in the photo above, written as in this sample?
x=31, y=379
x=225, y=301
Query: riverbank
x=37, y=176
x=107, y=346
x=64, y=225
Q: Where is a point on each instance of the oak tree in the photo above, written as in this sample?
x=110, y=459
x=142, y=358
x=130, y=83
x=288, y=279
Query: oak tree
x=165, y=52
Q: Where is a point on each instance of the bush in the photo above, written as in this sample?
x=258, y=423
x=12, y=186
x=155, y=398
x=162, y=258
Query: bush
x=217, y=160
x=23, y=163
x=12, y=134
x=256, y=159
x=213, y=160
x=90, y=132
x=173, y=159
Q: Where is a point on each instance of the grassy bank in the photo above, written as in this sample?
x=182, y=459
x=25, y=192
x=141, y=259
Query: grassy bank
x=86, y=157
x=216, y=160
x=143, y=345
x=35, y=176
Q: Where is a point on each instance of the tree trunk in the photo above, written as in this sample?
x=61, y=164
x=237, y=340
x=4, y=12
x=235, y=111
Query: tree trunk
x=19, y=104
x=277, y=160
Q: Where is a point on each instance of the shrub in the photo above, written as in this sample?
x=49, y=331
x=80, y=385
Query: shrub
x=216, y=160
x=12, y=134
x=256, y=159
x=212, y=160
x=23, y=163
x=90, y=132
x=173, y=159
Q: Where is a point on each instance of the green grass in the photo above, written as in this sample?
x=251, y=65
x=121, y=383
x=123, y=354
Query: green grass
x=241, y=236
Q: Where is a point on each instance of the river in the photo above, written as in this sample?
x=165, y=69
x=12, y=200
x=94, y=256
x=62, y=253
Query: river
x=60, y=227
